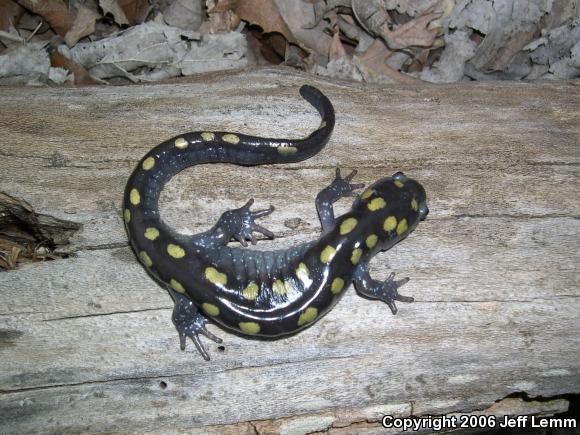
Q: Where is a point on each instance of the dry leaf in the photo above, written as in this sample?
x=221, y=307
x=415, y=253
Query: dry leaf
x=153, y=51
x=265, y=14
x=25, y=60
x=221, y=17
x=371, y=65
x=10, y=13
x=415, y=33
x=113, y=8
x=55, y=12
x=135, y=10
x=9, y=259
x=81, y=76
x=336, y=48
x=84, y=25
x=296, y=14
x=185, y=14
x=371, y=14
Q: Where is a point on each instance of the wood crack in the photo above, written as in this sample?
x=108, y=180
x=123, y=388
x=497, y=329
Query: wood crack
x=110, y=313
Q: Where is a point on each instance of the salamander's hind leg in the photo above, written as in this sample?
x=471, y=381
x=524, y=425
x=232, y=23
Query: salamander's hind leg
x=386, y=291
x=339, y=188
x=239, y=224
x=189, y=323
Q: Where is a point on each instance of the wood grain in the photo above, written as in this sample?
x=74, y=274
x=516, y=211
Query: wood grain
x=87, y=344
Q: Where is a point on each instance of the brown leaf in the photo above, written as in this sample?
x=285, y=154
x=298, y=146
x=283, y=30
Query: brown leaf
x=371, y=14
x=336, y=48
x=371, y=65
x=265, y=14
x=55, y=12
x=84, y=25
x=414, y=33
x=135, y=10
x=81, y=76
x=113, y=8
x=10, y=13
x=221, y=17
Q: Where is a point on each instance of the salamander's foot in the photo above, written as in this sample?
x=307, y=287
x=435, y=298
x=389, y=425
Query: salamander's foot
x=189, y=323
x=240, y=223
x=386, y=291
x=339, y=188
x=342, y=187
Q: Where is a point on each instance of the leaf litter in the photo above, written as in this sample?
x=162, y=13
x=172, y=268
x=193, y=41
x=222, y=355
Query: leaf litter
x=48, y=42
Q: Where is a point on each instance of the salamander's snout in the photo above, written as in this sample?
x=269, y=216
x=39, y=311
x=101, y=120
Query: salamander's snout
x=416, y=190
x=423, y=211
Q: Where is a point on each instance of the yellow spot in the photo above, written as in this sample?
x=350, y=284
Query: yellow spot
x=176, y=286
x=127, y=215
x=327, y=254
x=367, y=193
x=151, y=233
x=376, y=204
x=145, y=259
x=307, y=316
x=215, y=276
x=286, y=151
x=399, y=183
x=175, y=251
x=371, y=241
x=347, y=225
x=249, y=327
x=337, y=285
x=402, y=227
x=281, y=287
x=134, y=197
x=231, y=138
x=355, y=257
x=303, y=273
x=322, y=125
x=210, y=309
x=251, y=291
x=148, y=163
x=181, y=143
x=390, y=223
x=207, y=135
x=414, y=205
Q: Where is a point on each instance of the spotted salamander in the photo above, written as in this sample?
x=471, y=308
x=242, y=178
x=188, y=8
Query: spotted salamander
x=265, y=293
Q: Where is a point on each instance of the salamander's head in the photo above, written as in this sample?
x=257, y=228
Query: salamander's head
x=415, y=190
x=392, y=207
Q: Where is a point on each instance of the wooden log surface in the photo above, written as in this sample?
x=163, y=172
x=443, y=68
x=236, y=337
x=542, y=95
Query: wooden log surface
x=87, y=344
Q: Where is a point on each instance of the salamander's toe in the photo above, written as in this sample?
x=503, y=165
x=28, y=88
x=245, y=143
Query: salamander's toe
x=190, y=323
x=243, y=223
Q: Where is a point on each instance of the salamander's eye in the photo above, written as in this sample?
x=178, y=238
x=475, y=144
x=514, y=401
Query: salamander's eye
x=399, y=176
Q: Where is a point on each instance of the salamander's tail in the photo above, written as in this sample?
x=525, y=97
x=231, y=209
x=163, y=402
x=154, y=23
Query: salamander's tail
x=170, y=157
x=252, y=150
x=317, y=139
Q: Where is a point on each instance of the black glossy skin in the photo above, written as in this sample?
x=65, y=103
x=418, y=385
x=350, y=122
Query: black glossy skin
x=285, y=290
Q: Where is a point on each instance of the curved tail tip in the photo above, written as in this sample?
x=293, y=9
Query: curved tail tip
x=307, y=90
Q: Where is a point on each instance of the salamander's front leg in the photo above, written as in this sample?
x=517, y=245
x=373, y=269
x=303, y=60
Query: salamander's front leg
x=339, y=188
x=386, y=291
x=236, y=224
x=189, y=323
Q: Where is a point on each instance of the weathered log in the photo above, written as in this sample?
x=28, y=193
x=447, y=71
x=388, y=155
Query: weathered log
x=87, y=344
